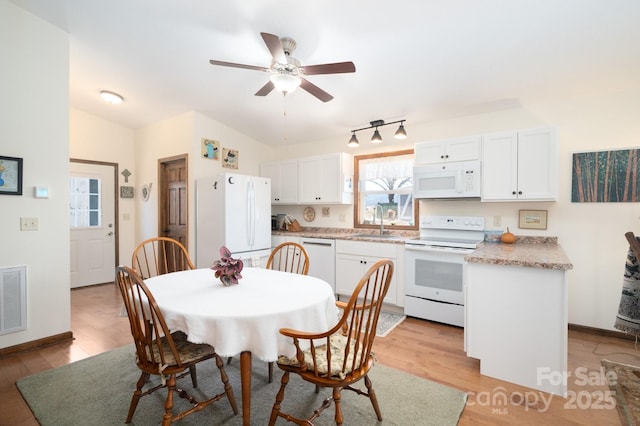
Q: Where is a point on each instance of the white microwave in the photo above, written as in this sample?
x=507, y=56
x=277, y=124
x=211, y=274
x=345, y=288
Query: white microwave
x=460, y=179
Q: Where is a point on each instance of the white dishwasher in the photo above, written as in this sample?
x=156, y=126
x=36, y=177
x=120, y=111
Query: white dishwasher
x=322, y=258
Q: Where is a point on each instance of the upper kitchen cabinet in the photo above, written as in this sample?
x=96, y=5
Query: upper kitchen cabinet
x=459, y=149
x=520, y=166
x=284, y=180
x=326, y=179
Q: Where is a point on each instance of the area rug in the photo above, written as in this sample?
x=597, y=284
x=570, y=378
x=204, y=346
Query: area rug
x=625, y=383
x=387, y=322
x=97, y=391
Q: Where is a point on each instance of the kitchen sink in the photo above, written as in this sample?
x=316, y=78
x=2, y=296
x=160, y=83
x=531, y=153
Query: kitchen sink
x=374, y=236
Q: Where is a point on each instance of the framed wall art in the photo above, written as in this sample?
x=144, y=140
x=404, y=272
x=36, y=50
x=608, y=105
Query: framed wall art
x=533, y=219
x=126, y=192
x=230, y=158
x=210, y=149
x=10, y=175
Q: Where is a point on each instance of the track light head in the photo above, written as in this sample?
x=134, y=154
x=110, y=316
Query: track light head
x=400, y=133
x=353, y=142
x=376, y=138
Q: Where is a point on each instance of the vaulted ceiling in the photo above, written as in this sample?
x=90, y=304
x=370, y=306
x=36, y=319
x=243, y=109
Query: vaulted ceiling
x=419, y=60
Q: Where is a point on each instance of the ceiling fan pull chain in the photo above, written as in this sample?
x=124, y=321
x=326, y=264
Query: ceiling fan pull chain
x=286, y=130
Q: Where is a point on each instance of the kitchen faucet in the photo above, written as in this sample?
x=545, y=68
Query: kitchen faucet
x=381, y=218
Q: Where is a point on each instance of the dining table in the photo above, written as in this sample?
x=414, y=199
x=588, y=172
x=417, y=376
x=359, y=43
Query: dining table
x=244, y=318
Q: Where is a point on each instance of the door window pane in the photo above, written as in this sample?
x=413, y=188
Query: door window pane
x=85, y=202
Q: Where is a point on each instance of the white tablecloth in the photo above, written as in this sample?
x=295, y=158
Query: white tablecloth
x=247, y=316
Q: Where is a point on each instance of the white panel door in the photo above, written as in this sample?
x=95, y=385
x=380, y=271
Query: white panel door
x=92, y=223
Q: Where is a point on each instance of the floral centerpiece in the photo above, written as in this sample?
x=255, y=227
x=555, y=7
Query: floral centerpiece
x=227, y=268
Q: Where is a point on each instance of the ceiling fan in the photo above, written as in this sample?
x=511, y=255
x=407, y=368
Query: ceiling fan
x=286, y=71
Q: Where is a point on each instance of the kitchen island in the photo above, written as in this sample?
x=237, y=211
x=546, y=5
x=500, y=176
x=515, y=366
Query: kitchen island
x=516, y=312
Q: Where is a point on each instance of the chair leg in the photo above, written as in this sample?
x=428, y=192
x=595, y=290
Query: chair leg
x=336, y=401
x=279, y=397
x=227, y=386
x=372, y=397
x=270, y=372
x=194, y=377
x=168, y=403
x=144, y=377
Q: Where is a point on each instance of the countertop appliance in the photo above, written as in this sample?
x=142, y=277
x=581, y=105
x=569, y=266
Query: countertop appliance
x=233, y=210
x=459, y=179
x=435, y=265
x=322, y=258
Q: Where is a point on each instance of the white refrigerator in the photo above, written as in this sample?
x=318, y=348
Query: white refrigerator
x=233, y=210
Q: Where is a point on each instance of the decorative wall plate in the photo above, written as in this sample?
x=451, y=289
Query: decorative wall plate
x=146, y=191
x=309, y=214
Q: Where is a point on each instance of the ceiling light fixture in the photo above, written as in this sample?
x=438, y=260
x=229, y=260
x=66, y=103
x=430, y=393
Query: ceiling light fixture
x=111, y=97
x=353, y=142
x=285, y=83
x=401, y=133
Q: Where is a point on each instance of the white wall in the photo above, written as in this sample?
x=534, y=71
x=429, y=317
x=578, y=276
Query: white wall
x=592, y=234
x=34, y=125
x=93, y=138
x=182, y=135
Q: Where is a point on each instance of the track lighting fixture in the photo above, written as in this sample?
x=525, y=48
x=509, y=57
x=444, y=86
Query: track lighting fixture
x=401, y=133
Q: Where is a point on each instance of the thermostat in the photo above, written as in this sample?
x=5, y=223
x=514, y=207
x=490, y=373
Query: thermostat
x=41, y=192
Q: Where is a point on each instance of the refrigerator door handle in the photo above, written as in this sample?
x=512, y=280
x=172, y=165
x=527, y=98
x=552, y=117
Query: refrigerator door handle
x=251, y=198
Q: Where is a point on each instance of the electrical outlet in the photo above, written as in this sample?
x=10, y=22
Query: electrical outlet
x=28, y=223
x=497, y=221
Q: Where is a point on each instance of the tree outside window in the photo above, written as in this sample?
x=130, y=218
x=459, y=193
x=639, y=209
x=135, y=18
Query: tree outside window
x=384, y=191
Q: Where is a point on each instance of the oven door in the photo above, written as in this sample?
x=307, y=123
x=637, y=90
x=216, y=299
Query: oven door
x=434, y=274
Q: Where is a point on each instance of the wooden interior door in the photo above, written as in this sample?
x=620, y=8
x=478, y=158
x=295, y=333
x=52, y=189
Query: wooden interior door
x=173, y=214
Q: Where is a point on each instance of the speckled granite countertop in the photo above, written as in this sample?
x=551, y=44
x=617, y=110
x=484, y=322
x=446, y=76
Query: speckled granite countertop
x=370, y=235
x=532, y=252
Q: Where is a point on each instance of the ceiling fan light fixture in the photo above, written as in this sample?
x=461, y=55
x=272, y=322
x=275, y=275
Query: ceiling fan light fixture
x=376, y=138
x=285, y=83
x=401, y=133
x=353, y=142
x=111, y=97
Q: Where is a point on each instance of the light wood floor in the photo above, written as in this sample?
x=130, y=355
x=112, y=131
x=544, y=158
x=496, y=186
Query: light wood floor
x=430, y=350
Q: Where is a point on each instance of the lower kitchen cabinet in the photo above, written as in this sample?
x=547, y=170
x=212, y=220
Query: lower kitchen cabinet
x=354, y=258
x=276, y=240
x=516, y=324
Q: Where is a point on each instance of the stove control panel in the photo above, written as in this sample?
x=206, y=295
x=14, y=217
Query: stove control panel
x=473, y=223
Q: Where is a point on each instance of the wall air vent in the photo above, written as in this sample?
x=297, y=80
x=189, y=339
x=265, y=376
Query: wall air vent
x=13, y=299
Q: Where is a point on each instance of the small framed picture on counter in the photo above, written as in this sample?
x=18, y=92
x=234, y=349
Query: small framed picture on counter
x=533, y=219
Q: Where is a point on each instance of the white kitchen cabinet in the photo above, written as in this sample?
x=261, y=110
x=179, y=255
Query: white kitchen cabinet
x=326, y=179
x=459, y=149
x=284, y=180
x=354, y=258
x=516, y=324
x=276, y=240
x=520, y=166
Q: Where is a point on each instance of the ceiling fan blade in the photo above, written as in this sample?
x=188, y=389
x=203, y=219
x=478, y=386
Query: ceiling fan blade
x=336, y=68
x=275, y=47
x=315, y=90
x=234, y=65
x=266, y=89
